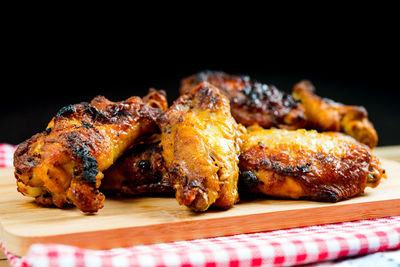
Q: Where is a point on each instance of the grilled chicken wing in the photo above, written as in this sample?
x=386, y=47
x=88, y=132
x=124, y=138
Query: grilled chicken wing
x=252, y=102
x=326, y=115
x=140, y=170
x=64, y=163
x=201, y=143
x=293, y=164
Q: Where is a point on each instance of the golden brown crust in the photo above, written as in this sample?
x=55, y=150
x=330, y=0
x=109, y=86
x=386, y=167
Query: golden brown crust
x=252, y=102
x=64, y=163
x=201, y=143
x=140, y=170
x=326, y=115
x=293, y=164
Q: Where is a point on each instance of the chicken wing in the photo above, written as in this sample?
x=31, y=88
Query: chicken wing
x=319, y=166
x=252, y=102
x=64, y=163
x=201, y=144
x=140, y=170
x=326, y=115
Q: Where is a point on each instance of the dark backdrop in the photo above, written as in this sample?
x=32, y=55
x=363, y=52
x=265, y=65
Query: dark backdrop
x=40, y=78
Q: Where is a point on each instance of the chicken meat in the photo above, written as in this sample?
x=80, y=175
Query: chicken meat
x=327, y=166
x=64, y=164
x=140, y=170
x=327, y=115
x=200, y=143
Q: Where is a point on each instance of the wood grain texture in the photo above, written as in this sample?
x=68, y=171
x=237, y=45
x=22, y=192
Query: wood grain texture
x=145, y=220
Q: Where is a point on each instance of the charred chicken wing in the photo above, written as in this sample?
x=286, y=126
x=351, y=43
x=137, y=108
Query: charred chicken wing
x=64, y=164
x=319, y=166
x=326, y=115
x=201, y=144
x=252, y=102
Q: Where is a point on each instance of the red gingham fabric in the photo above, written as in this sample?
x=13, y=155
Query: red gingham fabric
x=6, y=155
x=275, y=248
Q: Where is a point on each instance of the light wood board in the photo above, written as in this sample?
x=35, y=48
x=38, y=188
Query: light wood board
x=388, y=152
x=146, y=220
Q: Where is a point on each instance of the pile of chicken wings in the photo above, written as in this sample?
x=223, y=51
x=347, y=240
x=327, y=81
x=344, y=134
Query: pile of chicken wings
x=224, y=136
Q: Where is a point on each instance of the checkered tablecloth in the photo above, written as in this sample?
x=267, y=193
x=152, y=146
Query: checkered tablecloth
x=6, y=155
x=313, y=244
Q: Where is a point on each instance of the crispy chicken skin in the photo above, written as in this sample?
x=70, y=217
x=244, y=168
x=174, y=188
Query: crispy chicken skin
x=64, y=164
x=201, y=144
x=319, y=166
x=252, y=102
x=140, y=170
x=326, y=115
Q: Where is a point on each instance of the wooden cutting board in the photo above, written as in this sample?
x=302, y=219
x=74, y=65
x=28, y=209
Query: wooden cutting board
x=145, y=220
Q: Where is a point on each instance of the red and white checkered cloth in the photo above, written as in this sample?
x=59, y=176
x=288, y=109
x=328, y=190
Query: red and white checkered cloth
x=275, y=248
x=6, y=155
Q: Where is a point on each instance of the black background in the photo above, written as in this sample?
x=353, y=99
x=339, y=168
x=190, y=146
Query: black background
x=46, y=71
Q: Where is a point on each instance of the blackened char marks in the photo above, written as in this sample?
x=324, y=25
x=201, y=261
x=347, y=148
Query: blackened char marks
x=248, y=180
x=304, y=168
x=116, y=113
x=268, y=96
x=82, y=110
x=89, y=167
x=94, y=112
x=89, y=164
x=119, y=111
x=257, y=95
x=65, y=111
x=258, y=157
x=87, y=124
x=266, y=99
